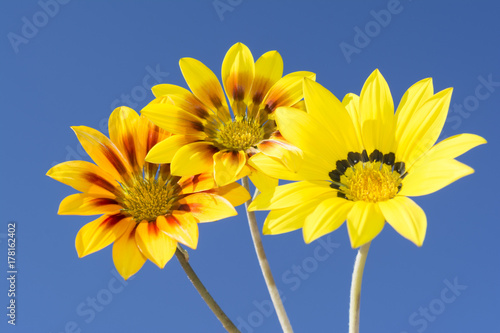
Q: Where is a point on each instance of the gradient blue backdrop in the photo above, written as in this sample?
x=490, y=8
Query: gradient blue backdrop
x=72, y=63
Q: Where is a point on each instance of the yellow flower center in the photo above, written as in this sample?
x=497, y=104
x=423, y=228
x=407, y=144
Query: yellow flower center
x=147, y=200
x=239, y=134
x=371, y=178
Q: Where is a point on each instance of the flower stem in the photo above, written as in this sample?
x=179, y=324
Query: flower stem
x=264, y=266
x=183, y=258
x=357, y=277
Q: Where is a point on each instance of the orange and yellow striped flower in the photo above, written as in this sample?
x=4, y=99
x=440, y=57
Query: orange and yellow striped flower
x=208, y=138
x=362, y=161
x=146, y=211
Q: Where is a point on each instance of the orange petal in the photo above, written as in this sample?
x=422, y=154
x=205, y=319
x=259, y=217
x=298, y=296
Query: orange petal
x=154, y=243
x=207, y=207
x=197, y=183
x=99, y=233
x=84, y=176
x=127, y=256
x=122, y=132
x=88, y=204
x=227, y=166
x=268, y=70
x=103, y=152
x=181, y=226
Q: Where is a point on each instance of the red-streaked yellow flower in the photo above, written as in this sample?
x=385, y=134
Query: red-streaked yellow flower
x=362, y=161
x=146, y=210
x=208, y=138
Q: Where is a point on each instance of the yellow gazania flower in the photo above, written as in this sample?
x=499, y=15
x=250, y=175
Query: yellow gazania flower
x=146, y=210
x=207, y=137
x=362, y=161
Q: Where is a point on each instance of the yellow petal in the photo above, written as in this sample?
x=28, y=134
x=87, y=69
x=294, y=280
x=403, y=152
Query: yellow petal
x=351, y=104
x=197, y=183
x=101, y=232
x=309, y=135
x=88, y=204
x=450, y=148
x=207, y=207
x=287, y=91
x=122, y=132
x=194, y=158
x=84, y=176
x=174, y=119
x=205, y=86
x=103, y=152
x=163, y=152
x=268, y=70
x=430, y=177
x=234, y=193
x=406, y=217
x=283, y=220
x=329, y=215
x=262, y=181
x=181, y=226
x=290, y=195
x=364, y=222
x=290, y=155
x=424, y=128
x=154, y=243
x=227, y=166
x=164, y=89
x=376, y=111
x=238, y=71
x=127, y=256
x=148, y=135
x=412, y=100
x=323, y=106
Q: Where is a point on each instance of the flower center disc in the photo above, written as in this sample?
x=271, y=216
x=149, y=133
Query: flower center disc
x=147, y=200
x=372, y=182
x=239, y=134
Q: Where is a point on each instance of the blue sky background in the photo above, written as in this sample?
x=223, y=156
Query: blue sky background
x=85, y=57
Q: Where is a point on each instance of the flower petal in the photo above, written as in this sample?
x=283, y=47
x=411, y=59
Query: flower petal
x=290, y=155
x=323, y=106
x=206, y=207
x=238, y=71
x=268, y=70
x=351, y=104
x=181, y=98
x=376, y=111
x=290, y=195
x=430, y=177
x=122, y=132
x=84, y=176
x=127, y=256
x=163, y=152
x=329, y=215
x=406, y=217
x=101, y=232
x=181, y=226
x=262, y=181
x=205, y=86
x=287, y=91
x=194, y=158
x=173, y=119
x=88, y=204
x=227, y=166
x=284, y=220
x=197, y=183
x=422, y=132
x=364, y=222
x=154, y=243
x=234, y=193
x=103, y=152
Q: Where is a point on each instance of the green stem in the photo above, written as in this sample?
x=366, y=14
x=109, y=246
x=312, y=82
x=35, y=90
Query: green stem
x=183, y=258
x=357, y=277
x=264, y=266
